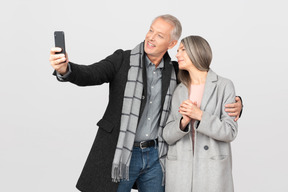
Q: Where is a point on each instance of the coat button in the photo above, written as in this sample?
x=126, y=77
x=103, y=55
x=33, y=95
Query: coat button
x=143, y=97
x=206, y=147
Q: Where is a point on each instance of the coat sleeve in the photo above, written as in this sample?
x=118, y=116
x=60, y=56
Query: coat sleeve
x=172, y=132
x=223, y=127
x=97, y=73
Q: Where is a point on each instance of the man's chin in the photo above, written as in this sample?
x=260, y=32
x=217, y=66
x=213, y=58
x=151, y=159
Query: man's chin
x=148, y=51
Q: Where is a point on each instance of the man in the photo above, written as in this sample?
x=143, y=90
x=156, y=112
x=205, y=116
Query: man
x=129, y=147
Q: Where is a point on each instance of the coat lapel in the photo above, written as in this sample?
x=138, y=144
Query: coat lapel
x=210, y=86
x=166, y=77
x=144, y=94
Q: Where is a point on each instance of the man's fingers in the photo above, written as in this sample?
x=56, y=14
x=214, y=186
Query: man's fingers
x=237, y=99
x=55, y=50
x=58, y=56
x=232, y=105
x=57, y=59
x=231, y=110
x=233, y=114
x=57, y=62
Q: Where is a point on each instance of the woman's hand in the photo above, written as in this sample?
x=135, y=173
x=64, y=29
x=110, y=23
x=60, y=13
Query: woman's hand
x=190, y=109
x=184, y=122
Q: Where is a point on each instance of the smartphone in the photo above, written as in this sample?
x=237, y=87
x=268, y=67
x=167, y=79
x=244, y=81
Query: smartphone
x=60, y=41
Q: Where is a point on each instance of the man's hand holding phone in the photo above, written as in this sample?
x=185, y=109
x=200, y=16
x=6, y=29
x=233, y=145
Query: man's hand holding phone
x=59, y=61
x=58, y=56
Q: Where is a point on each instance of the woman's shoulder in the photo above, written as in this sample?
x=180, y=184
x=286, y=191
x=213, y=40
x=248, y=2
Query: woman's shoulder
x=180, y=88
x=220, y=80
x=180, y=93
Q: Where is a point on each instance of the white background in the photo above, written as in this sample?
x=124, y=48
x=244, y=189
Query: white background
x=47, y=127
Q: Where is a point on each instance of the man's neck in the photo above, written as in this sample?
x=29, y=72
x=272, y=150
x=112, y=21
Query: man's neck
x=155, y=60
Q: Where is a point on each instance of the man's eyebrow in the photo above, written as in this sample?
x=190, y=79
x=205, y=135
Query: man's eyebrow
x=157, y=31
x=161, y=33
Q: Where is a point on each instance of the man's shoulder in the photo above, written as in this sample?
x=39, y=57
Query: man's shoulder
x=122, y=52
x=119, y=55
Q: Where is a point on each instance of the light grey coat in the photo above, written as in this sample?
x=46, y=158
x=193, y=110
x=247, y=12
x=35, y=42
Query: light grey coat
x=209, y=169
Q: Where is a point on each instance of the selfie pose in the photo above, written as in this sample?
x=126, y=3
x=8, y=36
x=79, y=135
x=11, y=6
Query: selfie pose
x=198, y=129
x=129, y=148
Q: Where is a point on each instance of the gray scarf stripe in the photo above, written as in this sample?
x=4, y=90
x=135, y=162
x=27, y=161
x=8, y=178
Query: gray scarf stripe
x=125, y=97
x=127, y=149
x=130, y=114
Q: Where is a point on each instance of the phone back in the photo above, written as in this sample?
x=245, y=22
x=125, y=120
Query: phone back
x=60, y=40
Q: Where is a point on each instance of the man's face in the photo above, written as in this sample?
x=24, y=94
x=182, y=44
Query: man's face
x=158, y=39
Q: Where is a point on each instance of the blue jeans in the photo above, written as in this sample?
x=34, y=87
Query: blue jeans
x=145, y=170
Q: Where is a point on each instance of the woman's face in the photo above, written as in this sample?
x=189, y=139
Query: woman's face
x=184, y=61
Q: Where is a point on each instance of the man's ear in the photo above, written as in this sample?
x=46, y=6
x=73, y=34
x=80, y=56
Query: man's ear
x=172, y=44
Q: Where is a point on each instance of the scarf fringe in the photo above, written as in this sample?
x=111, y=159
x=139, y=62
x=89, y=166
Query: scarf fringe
x=121, y=172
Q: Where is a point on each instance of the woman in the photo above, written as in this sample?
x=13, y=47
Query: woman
x=198, y=130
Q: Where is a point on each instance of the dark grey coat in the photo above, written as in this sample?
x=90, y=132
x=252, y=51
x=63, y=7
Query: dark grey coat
x=96, y=174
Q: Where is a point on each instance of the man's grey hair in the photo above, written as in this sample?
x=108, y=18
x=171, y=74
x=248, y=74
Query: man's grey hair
x=177, y=28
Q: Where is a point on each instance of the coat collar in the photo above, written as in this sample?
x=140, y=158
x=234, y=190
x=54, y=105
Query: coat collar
x=209, y=89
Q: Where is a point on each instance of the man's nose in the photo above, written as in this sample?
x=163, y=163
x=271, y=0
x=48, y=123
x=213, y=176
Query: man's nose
x=152, y=37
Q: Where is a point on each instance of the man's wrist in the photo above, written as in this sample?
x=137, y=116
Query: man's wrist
x=64, y=76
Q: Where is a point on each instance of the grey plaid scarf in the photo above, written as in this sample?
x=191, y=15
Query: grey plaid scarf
x=130, y=115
